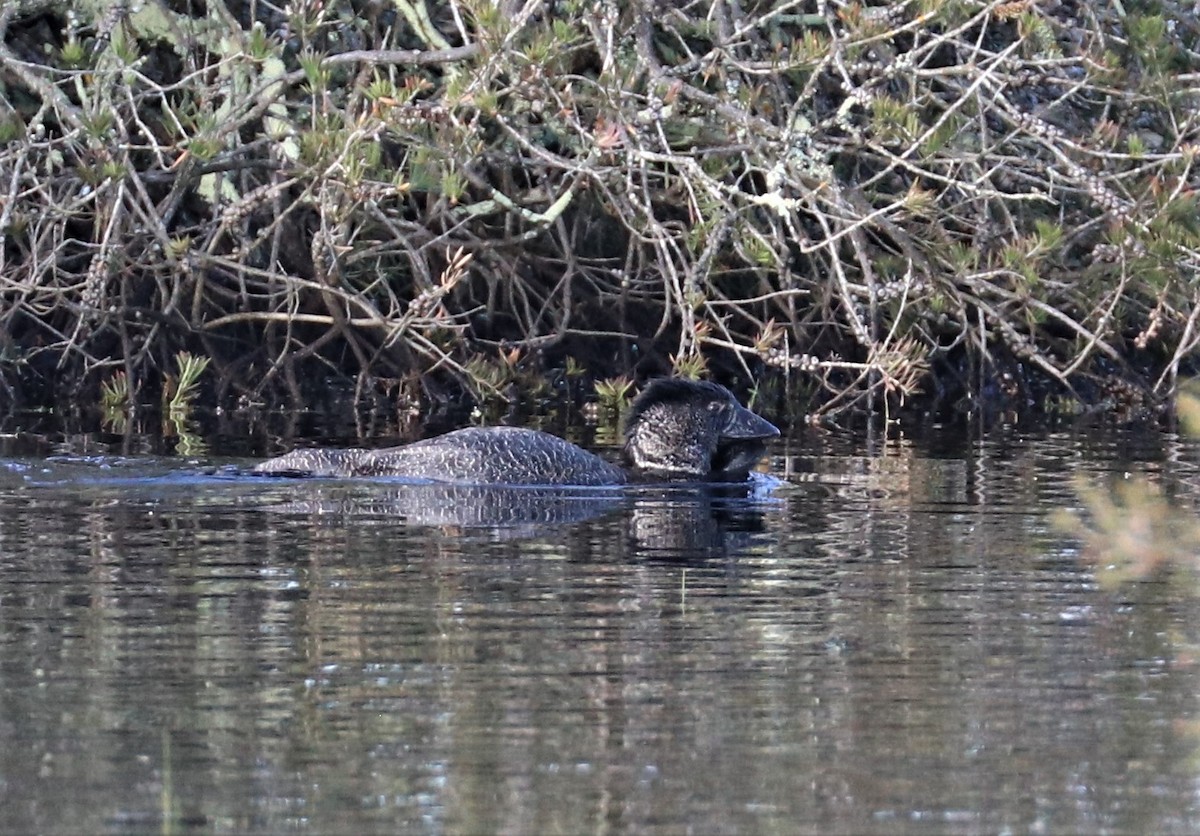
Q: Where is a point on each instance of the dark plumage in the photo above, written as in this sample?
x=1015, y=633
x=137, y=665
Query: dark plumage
x=676, y=429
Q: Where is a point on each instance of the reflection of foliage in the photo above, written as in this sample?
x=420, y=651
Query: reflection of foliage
x=115, y=420
x=188, y=442
x=1133, y=529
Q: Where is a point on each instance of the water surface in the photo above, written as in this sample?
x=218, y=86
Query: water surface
x=895, y=639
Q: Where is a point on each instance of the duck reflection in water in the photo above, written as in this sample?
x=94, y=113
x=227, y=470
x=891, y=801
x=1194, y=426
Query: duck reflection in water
x=676, y=430
x=688, y=450
x=689, y=521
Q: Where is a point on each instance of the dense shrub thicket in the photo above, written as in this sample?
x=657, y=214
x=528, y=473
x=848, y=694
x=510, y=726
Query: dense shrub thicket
x=967, y=200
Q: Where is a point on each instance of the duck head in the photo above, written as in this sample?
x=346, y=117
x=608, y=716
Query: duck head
x=687, y=429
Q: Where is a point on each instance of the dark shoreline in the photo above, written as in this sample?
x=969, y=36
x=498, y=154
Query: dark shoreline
x=259, y=432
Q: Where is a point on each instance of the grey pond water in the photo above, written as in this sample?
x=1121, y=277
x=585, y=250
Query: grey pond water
x=895, y=639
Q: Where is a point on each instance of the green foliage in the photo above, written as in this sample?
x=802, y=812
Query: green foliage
x=1048, y=237
x=490, y=22
x=453, y=186
x=894, y=121
x=112, y=170
x=179, y=392
x=758, y=251
x=563, y=32
x=692, y=366
x=962, y=258
x=383, y=89
x=809, y=49
x=99, y=125
x=615, y=393
x=116, y=393
x=126, y=51
x=259, y=46
x=11, y=129
x=487, y=375
x=543, y=49
x=1183, y=213
x=425, y=171
x=1133, y=531
x=1149, y=42
x=1040, y=38
x=204, y=148
x=73, y=54
x=178, y=247
x=947, y=13
x=315, y=72
x=940, y=137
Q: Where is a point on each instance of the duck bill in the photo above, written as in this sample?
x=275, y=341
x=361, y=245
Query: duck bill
x=735, y=459
x=741, y=446
x=744, y=424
